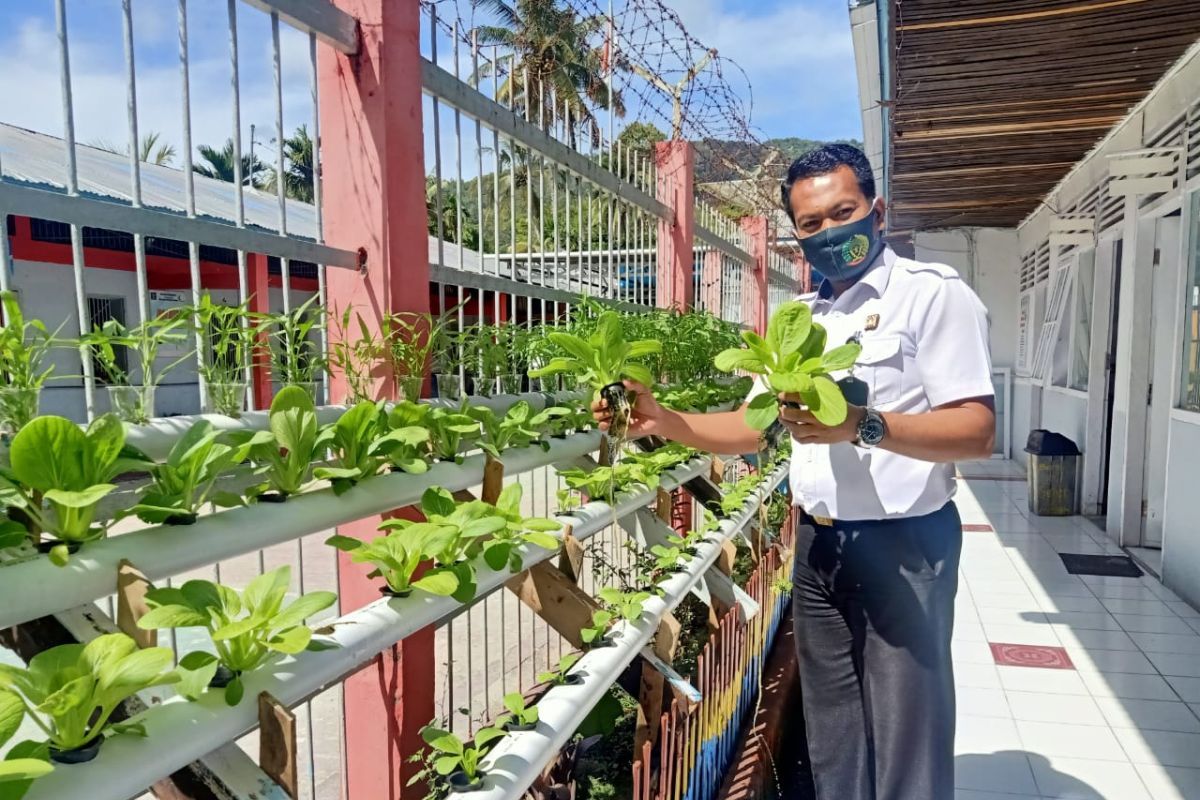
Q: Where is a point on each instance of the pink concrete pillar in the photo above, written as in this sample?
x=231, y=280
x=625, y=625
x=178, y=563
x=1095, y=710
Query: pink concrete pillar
x=258, y=292
x=676, y=162
x=803, y=271
x=710, y=282
x=754, y=290
x=374, y=202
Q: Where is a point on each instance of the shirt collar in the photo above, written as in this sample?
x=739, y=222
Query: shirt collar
x=876, y=277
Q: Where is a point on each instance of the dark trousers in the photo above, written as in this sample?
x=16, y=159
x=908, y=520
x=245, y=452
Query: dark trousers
x=873, y=612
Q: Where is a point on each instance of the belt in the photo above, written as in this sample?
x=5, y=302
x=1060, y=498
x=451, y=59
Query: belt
x=826, y=522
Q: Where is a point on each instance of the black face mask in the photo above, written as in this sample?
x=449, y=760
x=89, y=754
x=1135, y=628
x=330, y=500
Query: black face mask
x=845, y=252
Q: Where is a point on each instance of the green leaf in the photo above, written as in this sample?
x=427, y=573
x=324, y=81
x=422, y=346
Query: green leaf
x=514, y=702
x=21, y=769
x=48, y=453
x=761, y=411
x=303, y=608
x=172, y=616
x=59, y=555
x=786, y=381
x=12, y=711
x=485, y=736
x=495, y=555
x=639, y=373
x=442, y=741
x=444, y=765
x=543, y=540
x=235, y=629
x=264, y=595
x=291, y=640
x=832, y=409
x=235, y=691
x=437, y=501
x=759, y=347
x=789, y=327
x=438, y=581
x=196, y=671
x=739, y=359
x=346, y=544
x=83, y=498
x=841, y=357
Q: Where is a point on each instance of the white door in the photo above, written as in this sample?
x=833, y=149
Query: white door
x=1162, y=355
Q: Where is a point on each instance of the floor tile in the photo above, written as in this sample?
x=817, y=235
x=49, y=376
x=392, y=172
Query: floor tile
x=1098, y=660
x=1170, y=783
x=1167, y=643
x=1015, y=602
x=1028, y=634
x=1083, y=619
x=1072, y=741
x=1154, y=608
x=976, y=702
x=983, y=586
x=1160, y=747
x=1090, y=605
x=980, y=676
x=1162, y=592
x=1142, y=624
x=1183, y=609
x=1157, y=715
x=1101, y=640
x=1048, y=681
x=1176, y=664
x=973, y=794
x=1132, y=590
x=967, y=652
x=1011, y=616
x=1040, y=707
x=1087, y=779
x=1127, y=685
x=985, y=734
x=969, y=632
x=1187, y=688
x=997, y=772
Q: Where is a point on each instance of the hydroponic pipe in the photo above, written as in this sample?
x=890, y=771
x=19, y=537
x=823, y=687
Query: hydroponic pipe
x=520, y=757
x=179, y=732
x=35, y=587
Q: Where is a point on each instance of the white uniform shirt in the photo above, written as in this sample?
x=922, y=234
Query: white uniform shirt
x=924, y=336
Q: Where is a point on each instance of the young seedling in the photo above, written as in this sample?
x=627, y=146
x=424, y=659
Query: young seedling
x=513, y=430
x=520, y=717
x=71, y=691
x=451, y=762
x=185, y=481
x=792, y=359
x=247, y=630
x=406, y=443
x=503, y=546
x=24, y=347
x=555, y=421
x=668, y=559
x=603, y=360
x=296, y=442
x=561, y=676
x=627, y=605
x=471, y=526
x=595, y=634
x=58, y=473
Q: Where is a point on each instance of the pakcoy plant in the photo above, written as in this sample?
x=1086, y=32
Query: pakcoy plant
x=136, y=403
x=296, y=440
x=358, y=441
x=561, y=675
x=469, y=525
x=603, y=360
x=502, y=547
x=499, y=433
x=595, y=633
x=57, y=474
x=450, y=763
x=792, y=359
x=247, y=630
x=25, y=761
x=520, y=717
x=399, y=555
x=24, y=348
x=406, y=443
x=627, y=606
x=450, y=430
x=181, y=485
x=71, y=691
x=555, y=421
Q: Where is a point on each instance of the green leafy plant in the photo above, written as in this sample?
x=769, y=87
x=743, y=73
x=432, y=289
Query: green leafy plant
x=520, y=716
x=448, y=756
x=182, y=484
x=294, y=443
x=556, y=421
x=25, y=761
x=232, y=333
x=58, y=473
x=471, y=525
x=593, y=635
x=136, y=404
x=409, y=340
x=24, y=347
x=668, y=558
x=72, y=690
x=628, y=606
x=792, y=359
x=356, y=358
x=514, y=429
x=247, y=629
x=296, y=355
x=450, y=430
x=406, y=444
x=359, y=444
x=502, y=547
x=560, y=675
x=399, y=554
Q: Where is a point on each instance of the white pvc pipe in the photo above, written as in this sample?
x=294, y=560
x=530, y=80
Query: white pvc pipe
x=36, y=587
x=520, y=757
x=179, y=732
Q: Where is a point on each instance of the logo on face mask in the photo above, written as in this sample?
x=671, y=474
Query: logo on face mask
x=855, y=249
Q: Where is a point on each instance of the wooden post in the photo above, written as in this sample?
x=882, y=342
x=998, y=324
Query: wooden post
x=570, y=558
x=277, y=743
x=373, y=176
x=131, y=604
x=676, y=163
x=555, y=598
x=493, y=480
x=650, y=700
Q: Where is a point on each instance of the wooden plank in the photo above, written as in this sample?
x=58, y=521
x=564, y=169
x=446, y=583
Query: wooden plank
x=277, y=743
x=653, y=682
x=132, y=587
x=570, y=558
x=555, y=598
x=493, y=480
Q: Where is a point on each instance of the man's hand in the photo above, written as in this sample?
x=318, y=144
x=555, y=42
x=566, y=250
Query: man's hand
x=645, y=418
x=807, y=429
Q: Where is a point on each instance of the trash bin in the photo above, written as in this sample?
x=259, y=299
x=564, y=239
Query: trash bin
x=1053, y=467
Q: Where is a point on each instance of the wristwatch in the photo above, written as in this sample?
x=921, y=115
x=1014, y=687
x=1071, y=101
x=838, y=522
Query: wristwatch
x=871, y=429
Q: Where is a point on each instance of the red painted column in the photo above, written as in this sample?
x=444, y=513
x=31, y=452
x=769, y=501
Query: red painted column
x=754, y=293
x=676, y=162
x=374, y=202
x=803, y=271
x=259, y=294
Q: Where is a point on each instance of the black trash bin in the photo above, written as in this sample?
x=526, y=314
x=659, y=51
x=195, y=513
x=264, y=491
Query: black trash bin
x=1053, y=471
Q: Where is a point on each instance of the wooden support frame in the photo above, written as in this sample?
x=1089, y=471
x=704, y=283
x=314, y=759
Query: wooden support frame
x=277, y=743
x=650, y=693
x=132, y=587
x=556, y=598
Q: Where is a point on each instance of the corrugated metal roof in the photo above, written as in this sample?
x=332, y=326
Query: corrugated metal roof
x=38, y=159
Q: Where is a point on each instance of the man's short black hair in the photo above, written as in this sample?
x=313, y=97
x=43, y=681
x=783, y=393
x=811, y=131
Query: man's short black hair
x=824, y=160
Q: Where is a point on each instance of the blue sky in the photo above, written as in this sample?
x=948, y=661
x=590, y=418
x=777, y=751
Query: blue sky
x=797, y=54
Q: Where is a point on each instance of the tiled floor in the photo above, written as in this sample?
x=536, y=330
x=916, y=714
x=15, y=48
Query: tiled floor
x=1114, y=712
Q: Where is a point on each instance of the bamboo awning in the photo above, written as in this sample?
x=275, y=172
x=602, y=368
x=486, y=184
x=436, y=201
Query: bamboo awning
x=995, y=100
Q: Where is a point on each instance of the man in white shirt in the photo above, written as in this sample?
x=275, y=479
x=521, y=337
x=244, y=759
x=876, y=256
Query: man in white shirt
x=880, y=538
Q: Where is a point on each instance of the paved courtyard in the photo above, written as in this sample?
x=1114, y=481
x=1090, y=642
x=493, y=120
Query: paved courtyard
x=1068, y=686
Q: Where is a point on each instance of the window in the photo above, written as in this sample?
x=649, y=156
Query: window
x=1081, y=325
x=1189, y=394
x=100, y=311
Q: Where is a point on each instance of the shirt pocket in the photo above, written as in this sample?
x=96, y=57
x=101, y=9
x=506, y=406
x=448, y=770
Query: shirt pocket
x=881, y=365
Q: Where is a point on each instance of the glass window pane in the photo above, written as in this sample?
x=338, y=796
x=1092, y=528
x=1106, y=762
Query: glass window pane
x=1190, y=390
x=1085, y=277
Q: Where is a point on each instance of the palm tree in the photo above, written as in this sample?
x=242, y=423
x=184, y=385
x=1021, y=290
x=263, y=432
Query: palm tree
x=219, y=165
x=553, y=63
x=298, y=172
x=151, y=149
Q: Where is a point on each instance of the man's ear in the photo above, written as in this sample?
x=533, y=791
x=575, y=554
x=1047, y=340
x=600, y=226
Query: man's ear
x=880, y=211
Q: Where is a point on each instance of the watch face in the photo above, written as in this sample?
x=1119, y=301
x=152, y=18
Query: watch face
x=872, y=429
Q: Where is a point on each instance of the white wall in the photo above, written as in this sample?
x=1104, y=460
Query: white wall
x=46, y=292
x=1181, y=541
x=1065, y=411
x=1026, y=415
x=988, y=260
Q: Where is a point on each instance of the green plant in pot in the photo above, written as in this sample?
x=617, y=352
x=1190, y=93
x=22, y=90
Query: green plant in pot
x=595, y=634
x=25, y=761
x=112, y=340
x=232, y=333
x=520, y=717
x=407, y=440
x=603, y=361
x=24, y=347
x=410, y=339
x=513, y=430
x=181, y=485
x=450, y=430
x=502, y=547
x=58, y=473
x=296, y=355
x=294, y=443
x=562, y=675
x=451, y=763
x=71, y=691
x=792, y=359
x=471, y=525
x=398, y=557
x=247, y=630
x=356, y=359
x=359, y=444
x=485, y=355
